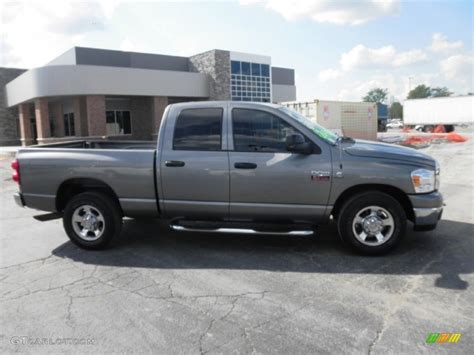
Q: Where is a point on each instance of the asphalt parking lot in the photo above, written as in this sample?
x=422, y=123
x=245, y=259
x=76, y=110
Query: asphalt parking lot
x=168, y=292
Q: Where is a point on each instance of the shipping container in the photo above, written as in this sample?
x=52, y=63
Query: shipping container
x=353, y=119
x=441, y=110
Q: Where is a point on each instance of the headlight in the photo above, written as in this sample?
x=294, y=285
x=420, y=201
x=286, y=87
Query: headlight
x=423, y=180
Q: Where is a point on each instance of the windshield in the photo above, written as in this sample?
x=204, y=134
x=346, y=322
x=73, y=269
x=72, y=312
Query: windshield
x=319, y=130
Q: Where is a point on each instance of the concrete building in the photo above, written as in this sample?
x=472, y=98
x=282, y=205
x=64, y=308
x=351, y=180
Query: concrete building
x=95, y=93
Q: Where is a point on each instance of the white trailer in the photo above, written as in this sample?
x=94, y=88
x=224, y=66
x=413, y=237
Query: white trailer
x=439, y=111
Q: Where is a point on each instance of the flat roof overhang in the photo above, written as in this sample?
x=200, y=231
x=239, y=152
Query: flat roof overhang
x=72, y=80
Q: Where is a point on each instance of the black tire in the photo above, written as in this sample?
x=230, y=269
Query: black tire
x=359, y=202
x=105, y=208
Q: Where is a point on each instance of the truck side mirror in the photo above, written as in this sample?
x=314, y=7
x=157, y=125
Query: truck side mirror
x=295, y=143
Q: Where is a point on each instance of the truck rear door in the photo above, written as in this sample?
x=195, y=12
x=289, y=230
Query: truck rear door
x=194, y=162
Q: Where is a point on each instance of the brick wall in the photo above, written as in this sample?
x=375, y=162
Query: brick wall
x=42, y=119
x=95, y=107
x=9, y=132
x=159, y=106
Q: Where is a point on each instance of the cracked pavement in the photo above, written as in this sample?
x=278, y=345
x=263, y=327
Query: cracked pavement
x=167, y=292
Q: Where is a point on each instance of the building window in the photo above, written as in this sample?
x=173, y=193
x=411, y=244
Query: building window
x=118, y=122
x=198, y=129
x=259, y=131
x=69, y=129
x=255, y=70
x=250, y=81
x=235, y=67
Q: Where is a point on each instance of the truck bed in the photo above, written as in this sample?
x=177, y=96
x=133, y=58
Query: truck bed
x=127, y=167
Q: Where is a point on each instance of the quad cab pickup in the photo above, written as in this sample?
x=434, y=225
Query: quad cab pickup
x=234, y=167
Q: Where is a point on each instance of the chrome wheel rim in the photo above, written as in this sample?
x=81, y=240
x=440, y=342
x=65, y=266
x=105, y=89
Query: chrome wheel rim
x=88, y=223
x=373, y=225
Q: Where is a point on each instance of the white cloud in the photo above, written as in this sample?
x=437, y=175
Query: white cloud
x=31, y=33
x=331, y=11
x=440, y=44
x=329, y=74
x=354, y=91
x=362, y=57
x=409, y=57
x=458, y=67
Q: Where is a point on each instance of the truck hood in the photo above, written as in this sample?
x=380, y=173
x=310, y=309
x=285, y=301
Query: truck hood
x=369, y=149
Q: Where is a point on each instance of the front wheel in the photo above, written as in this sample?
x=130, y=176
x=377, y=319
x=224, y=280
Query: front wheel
x=372, y=223
x=92, y=220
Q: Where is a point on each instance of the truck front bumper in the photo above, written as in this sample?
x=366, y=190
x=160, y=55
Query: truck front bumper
x=427, y=208
x=19, y=199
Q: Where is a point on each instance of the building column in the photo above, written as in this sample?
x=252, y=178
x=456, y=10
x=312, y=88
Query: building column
x=78, y=117
x=96, y=123
x=158, y=108
x=42, y=119
x=57, y=109
x=25, y=125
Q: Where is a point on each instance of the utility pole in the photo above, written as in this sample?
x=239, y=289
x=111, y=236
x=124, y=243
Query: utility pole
x=409, y=83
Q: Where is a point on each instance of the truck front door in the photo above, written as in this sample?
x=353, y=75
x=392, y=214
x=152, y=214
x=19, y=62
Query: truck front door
x=266, y=181
x=194, y=163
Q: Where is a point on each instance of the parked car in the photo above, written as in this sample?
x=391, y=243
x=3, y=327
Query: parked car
x=238, y=167
x=395, y=124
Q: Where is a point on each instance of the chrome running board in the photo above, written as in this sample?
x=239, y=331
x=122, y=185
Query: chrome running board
x=240, y=231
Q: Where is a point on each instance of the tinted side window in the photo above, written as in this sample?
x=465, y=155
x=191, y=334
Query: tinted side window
x=259, y=131
x=198, y=129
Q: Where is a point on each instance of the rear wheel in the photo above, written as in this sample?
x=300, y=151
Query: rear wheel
x=372, y=223
x=92, y=220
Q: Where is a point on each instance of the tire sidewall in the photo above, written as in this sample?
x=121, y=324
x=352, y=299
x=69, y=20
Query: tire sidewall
x=108, y=210
x=357, y=203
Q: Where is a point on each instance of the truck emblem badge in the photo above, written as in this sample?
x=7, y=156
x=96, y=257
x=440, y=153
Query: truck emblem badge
x=318, y=175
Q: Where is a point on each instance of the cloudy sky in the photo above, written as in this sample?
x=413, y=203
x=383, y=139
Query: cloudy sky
x=339, y=49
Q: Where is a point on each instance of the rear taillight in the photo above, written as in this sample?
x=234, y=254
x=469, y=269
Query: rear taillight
x=16, y=171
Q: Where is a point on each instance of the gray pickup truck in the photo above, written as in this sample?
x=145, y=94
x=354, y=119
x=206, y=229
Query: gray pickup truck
x=234, y=167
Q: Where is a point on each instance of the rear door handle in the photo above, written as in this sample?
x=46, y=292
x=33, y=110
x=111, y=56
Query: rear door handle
x=174, y=163
x=245, y=166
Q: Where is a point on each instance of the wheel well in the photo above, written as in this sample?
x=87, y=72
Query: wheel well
x=73, y=187
x=396, y=193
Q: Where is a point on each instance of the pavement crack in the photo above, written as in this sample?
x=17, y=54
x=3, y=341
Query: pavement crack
x=374, y=342
x=69, y=321
x=43, y=260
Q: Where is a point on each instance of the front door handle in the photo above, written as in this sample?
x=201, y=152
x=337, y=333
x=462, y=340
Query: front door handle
x=245, y=166
x=174, y=163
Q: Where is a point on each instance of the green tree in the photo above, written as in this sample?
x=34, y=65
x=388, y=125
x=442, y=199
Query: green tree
x=396, y=110
x=377, y=95
x=440, y=92
x=423, y=91
x=420, y=92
